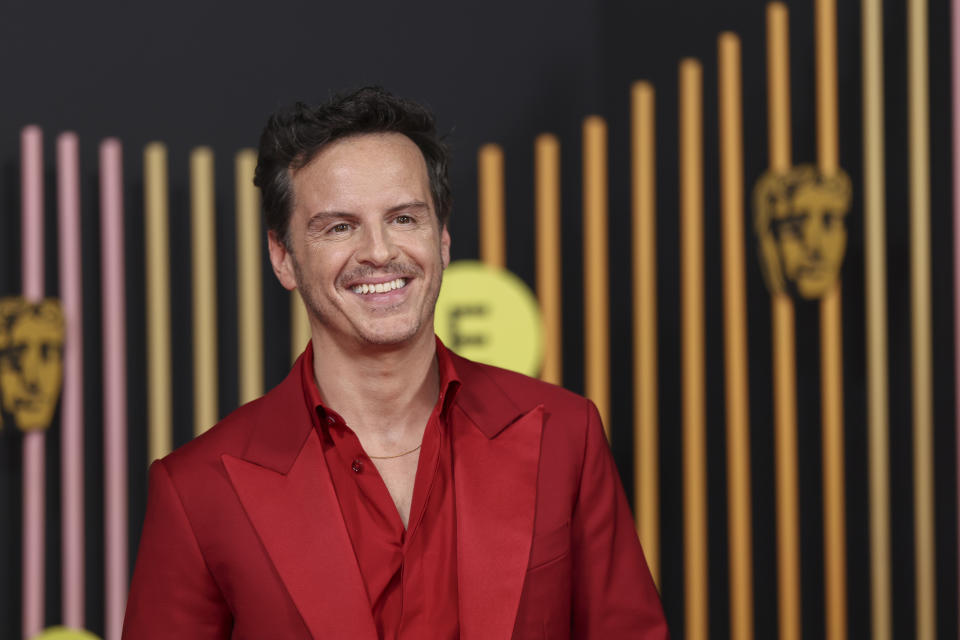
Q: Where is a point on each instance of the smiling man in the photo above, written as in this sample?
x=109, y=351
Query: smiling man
x=387, y=488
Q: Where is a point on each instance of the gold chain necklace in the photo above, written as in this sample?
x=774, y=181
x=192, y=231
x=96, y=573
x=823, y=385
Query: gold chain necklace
x=399, y=455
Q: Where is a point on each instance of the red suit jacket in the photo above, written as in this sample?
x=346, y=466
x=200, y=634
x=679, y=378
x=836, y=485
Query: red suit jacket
x=243, y=536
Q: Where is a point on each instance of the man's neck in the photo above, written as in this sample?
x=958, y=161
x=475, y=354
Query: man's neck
x=385, y=394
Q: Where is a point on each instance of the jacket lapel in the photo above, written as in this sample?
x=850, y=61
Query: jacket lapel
x=495, y=462
x=299, y=523
x=284, y=485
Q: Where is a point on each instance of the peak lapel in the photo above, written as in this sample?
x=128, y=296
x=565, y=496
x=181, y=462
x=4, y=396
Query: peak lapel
x=495, y=482
x=298, y=520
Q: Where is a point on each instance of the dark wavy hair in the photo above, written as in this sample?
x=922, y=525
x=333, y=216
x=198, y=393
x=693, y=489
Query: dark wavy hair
x=294, y=135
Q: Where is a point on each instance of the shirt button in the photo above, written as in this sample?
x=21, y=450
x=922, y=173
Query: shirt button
x=356, y=466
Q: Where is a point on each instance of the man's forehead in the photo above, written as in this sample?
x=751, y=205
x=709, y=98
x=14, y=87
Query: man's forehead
x=363, y=150
x=361, y=165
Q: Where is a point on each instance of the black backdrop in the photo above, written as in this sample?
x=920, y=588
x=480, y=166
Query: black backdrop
x=190, y=73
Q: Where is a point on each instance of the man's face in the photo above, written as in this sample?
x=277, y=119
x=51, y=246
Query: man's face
x=31, y=365
x=812, y=239
x=366, y=250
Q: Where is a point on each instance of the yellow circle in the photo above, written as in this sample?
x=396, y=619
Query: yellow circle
x=489, y=315
x=63, y=633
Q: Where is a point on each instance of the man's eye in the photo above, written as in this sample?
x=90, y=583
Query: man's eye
x=404, y=219
x=342, y=227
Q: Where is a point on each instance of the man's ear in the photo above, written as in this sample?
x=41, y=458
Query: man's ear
x=445, y=246
x=282, y=260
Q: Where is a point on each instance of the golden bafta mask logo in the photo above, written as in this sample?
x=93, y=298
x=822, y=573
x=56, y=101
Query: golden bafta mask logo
x=799, y=219
x=31, y=360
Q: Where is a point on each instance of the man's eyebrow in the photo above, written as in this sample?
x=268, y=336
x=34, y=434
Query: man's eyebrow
x=407, y=206
x=325, y=216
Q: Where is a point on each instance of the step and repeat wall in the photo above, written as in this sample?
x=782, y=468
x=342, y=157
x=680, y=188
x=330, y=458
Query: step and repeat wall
x=792, y=222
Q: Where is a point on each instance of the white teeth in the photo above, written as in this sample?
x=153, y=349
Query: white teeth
x=381, y=287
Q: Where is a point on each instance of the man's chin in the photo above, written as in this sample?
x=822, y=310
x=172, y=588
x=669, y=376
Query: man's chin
x=389, y=336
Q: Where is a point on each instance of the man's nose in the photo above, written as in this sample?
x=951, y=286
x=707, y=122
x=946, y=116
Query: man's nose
x=378, y=245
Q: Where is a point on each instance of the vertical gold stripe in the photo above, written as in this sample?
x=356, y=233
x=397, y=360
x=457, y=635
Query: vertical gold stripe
x=249, y=278
x=874, y=231
x=825, y=32
x=203, y=230
x=646, y=447
x=919, y=127
x=596, y=279
x=299, y=325
x=735, y=337
x=831, y=342
x=834, y=503
x=546, y=151
x=778, y=87
x=785, y=456
x=693, y=349
x=784, y=341
x=490, y=174
x=156, y=241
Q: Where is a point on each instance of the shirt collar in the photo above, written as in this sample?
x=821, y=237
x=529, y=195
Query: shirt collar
x=321, y=415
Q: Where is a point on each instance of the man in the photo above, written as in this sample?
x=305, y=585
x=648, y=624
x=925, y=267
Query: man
x=387, y=488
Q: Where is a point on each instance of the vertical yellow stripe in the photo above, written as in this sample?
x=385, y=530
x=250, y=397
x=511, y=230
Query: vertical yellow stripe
x=203, y=230
x=596, y=279
x=735, y=337
x=784, y=340
x=491, y=192
x=831, y=343
x=874, y=231
x=546, y=152
x=156, y=242
x=919, y=127
x=825, y=31
x=693, y=349
x=249, y=279
x=834, y=503
x=646, y=459
x=778, y=87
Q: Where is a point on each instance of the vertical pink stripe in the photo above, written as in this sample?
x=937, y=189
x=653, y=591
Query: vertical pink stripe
x=31, y=194
x=114, y=385
x=34, y=486
x=955, y=51
x=31, y=189
x=71, y=404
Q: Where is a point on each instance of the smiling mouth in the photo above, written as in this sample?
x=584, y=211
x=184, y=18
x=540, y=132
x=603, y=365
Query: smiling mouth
x=380, y=287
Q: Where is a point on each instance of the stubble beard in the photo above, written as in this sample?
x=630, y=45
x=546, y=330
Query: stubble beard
x=319, y=312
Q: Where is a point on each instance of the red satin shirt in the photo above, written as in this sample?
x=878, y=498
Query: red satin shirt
x=410, y=574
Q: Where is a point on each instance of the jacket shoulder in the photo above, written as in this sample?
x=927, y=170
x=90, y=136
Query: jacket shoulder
x=231, y=435
x=525, y=391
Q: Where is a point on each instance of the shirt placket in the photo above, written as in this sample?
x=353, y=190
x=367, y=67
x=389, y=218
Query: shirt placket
x=412, y=567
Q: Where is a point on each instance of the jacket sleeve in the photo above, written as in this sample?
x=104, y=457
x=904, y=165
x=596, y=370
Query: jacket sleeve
x=613, y=592
x=173, y=594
